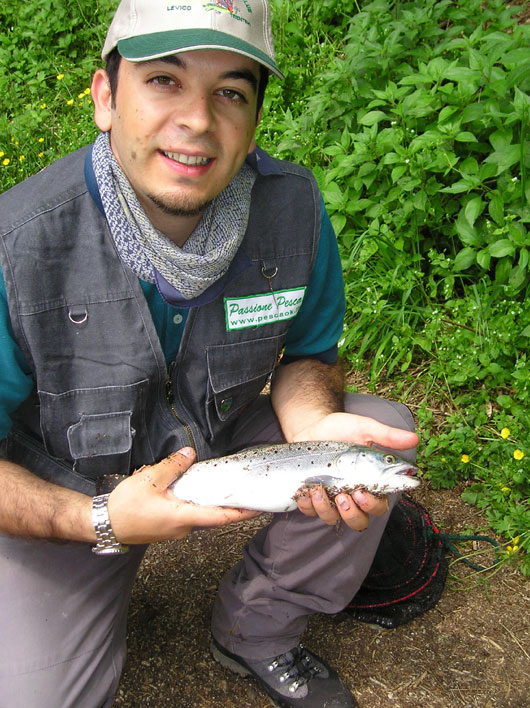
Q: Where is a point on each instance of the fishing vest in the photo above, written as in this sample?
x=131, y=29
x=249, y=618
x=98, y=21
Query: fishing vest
x=104, y=400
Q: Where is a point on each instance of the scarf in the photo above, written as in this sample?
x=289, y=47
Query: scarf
x=209, y=250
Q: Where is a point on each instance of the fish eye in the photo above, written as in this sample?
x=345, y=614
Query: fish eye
x=389, y=459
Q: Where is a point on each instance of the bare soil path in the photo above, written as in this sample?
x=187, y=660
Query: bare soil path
x=470, y=651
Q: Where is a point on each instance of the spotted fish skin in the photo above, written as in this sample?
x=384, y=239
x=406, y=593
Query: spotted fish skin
x=267, y=478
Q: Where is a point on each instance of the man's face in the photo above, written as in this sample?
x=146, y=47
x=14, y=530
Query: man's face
x=181, y=127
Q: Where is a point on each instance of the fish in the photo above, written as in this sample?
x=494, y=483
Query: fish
x=269, y=477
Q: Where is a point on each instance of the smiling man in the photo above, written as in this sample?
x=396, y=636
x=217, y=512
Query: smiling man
x=152, y=284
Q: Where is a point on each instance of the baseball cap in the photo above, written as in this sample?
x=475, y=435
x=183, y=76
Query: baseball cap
x=150, y=29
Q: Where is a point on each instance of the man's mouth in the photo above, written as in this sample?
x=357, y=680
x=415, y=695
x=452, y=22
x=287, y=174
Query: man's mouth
x=190, y=160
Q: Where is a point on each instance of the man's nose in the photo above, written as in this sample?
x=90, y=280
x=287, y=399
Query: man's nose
x=195, y=113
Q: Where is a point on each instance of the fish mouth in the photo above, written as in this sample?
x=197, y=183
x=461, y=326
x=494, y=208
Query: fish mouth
x=407, y=471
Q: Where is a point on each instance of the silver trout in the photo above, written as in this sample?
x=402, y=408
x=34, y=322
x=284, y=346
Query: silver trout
x=267, y=478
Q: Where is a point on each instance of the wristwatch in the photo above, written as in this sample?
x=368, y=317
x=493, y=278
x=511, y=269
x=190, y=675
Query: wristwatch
x=107, y=543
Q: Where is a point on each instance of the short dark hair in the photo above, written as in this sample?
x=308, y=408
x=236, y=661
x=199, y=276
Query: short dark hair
x=113, y=66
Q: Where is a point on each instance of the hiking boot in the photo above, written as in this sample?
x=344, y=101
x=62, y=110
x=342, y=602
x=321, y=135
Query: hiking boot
x=295, y=679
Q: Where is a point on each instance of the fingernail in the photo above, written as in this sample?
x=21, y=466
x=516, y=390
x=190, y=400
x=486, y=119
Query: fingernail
x=316, y=494
x=188, y=452
x=343, y=503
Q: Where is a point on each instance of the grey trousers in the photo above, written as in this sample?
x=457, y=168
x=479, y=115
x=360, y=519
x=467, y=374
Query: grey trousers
x=63, y=610
x=296, y=565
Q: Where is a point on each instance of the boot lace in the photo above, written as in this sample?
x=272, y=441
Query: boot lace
x=297, y=668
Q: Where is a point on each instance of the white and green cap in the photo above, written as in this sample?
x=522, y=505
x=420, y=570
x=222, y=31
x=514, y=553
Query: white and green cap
x=150, y=29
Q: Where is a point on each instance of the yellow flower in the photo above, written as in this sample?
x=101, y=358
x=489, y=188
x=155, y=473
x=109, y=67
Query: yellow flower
x=511, y=549
x=69, y=102
x=81, y=95
x=505, y=489
x=505, y=433
x=5, y=162
x=21, y=158
x=41, y=140
x=464, y=458
x=43, y=106
x=2, y=153
x=518, y=454
x=41, y=154
x=87, y=91
x=60, y=77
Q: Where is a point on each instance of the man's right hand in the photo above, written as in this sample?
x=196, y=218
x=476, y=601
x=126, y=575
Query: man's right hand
x=143, y=510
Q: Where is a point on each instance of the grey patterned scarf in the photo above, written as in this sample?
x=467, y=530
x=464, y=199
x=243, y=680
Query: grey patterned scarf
x=208, y=252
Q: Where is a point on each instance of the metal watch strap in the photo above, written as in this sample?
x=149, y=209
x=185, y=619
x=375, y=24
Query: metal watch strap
x=107, y=543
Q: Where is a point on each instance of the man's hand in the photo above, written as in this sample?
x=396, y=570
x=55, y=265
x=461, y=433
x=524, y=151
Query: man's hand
x=143, y=510
x=307, y=396
x=357, y=429
x=355, y=509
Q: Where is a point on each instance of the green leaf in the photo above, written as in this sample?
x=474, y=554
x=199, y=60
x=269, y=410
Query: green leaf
x=504, y=158
x=501, y=248
x=473, y=209
x=373, y=117
x=484, y=259
x=464, y=259
x=496, y=208
x=465, y=137
x=398, y=172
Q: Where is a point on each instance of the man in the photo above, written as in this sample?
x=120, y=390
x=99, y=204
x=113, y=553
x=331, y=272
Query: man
x=152, y=282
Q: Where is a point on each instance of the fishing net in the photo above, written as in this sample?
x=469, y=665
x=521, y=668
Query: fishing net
x=408, y=574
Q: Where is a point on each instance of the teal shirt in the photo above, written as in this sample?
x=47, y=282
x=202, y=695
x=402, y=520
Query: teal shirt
x=314, y=332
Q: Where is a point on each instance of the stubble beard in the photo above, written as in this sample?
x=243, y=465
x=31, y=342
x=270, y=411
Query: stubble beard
x=182, y=209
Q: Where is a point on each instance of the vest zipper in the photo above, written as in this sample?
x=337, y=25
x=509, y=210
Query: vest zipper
x=170, y=397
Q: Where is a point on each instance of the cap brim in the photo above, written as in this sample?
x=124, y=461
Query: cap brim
x=161, y=44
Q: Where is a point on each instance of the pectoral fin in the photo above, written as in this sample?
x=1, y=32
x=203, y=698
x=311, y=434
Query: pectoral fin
x=325, y=480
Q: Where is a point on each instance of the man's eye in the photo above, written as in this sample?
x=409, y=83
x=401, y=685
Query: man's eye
x=162, y=80
x=232, y=95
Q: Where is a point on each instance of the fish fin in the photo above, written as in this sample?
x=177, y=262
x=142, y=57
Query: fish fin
x=325, y=479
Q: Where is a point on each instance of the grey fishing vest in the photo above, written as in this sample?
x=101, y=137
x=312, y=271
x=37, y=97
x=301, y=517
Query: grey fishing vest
x=104, y=401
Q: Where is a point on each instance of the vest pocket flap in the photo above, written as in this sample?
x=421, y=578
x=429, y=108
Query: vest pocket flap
x=238, y=373
x=231, y=365
x=101, y=434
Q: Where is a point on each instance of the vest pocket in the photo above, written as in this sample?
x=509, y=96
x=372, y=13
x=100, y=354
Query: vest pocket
x=237, y=374
x=95, y=428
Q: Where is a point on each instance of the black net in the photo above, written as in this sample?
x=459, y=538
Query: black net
x=408, y=573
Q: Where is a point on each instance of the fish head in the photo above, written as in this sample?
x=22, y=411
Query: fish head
x=375, y=470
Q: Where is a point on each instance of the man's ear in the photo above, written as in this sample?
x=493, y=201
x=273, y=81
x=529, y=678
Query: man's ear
x=102, y=97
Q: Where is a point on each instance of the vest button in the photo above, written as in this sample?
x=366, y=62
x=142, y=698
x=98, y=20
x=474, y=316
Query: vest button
x=226, y=404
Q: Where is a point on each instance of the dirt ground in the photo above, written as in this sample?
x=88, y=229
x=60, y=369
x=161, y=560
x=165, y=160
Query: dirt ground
x=472, y=650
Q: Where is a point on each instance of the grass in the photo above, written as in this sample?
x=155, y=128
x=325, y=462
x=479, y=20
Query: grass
x=414, y=118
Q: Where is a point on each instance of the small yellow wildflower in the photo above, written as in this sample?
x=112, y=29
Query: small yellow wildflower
x=87, y=91
x=464, y=459
x=518, y=454
x=510, y=550
x=43, y=106
x=505, y=489
x=505, y=433
x=41, y=140
x=2, y=153
x=41, y=154
x=6, y=162
x=81, y=95
x=69, y=102
x=21, y=158
x=60, y=77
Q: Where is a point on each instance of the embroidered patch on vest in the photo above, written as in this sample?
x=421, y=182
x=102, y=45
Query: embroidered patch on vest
x=259, y=310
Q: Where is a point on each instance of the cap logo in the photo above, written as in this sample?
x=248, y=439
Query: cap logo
x=228, y=6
